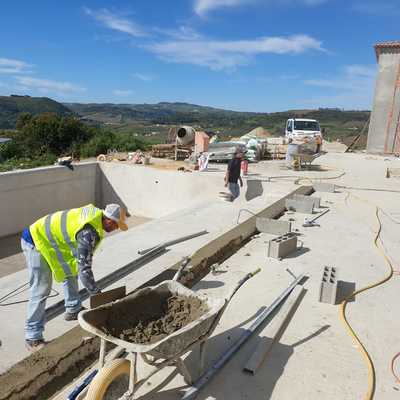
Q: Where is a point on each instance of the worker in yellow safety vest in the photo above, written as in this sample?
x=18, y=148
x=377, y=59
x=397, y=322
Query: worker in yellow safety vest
x=61, y=245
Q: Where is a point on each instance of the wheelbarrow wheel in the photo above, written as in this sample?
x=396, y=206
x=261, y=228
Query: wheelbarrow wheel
x=103, y=381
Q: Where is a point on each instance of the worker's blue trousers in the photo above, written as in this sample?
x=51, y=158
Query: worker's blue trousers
x=40, y=282
x=234, y=189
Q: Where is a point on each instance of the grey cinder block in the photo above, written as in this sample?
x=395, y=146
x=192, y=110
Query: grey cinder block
x=282, y=246
x=324, y=187
x=328, y=289
x=301, y=206
x=273, y=226
x=316, y=200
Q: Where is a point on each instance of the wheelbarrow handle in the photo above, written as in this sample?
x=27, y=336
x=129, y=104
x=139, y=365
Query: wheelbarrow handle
x=228, y=299
x=242, y=281
x=184, y=263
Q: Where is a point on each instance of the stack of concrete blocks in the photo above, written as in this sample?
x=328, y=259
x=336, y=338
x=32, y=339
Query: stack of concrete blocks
x=328, y=289
x=316, y=200
x=282, y=245
x=324, y=187
x=273, y=226
x=304, y=205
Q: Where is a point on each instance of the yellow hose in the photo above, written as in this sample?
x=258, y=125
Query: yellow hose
x=371, y=369
x=106, y=376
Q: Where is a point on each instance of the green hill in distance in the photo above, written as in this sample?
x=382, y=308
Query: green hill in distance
x=12, y=106
x=155, y=120
x=146, y=118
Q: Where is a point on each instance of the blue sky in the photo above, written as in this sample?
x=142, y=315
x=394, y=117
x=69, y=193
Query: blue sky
x=250, y=55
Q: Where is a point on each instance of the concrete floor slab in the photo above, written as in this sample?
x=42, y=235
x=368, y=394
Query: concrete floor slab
x=315, y=358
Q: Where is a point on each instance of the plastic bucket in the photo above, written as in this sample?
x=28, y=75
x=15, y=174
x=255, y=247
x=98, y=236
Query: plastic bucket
x=244, y=166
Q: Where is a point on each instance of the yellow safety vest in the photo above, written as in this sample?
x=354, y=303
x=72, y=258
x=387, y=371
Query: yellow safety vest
x=55, y=237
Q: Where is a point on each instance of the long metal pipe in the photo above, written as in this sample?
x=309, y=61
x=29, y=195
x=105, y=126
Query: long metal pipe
x=194, y=390
x=319, y=215
x=175, y=241
x=58, y=308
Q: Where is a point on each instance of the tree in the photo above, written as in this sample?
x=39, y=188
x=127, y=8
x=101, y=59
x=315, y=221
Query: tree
x=23, y=119
x=50, y=133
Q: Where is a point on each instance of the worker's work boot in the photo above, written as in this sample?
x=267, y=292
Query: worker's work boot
x=73, y=316
x=34, y=345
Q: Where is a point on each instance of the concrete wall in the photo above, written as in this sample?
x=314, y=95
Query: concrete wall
x=30, y=194
x=386, y=107
x=155, y=193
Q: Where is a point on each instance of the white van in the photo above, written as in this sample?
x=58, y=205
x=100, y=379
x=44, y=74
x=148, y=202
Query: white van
x=302, y=128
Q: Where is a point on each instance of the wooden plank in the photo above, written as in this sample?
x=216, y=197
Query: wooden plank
x=275, y=330
x=357, y=138
x=107, y=296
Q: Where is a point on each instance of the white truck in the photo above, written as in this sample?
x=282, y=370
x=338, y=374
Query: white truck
x=304, y=131
x=297, y=128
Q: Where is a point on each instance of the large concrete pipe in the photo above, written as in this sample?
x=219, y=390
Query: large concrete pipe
x=185, y=135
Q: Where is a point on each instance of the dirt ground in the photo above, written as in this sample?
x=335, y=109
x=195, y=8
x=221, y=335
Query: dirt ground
x=160, y=316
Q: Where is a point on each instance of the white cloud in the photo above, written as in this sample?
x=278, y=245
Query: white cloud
x=202, y=7
x=122, y=93
x=144, y=77
x=185, y=45
x=351, y=77
x=184, y=32
x=351, y=88
x=115, y=22
x=362, y=71
x=219, y=55
x=9, y=66
x=45, y=85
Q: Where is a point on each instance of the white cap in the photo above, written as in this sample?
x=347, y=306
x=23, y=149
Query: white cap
x=114, y=212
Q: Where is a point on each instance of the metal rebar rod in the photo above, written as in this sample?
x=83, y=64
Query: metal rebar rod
x=194, y=390
x=175, y=241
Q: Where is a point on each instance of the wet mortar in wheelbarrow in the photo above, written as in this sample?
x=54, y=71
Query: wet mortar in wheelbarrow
x=160, y=321
x=158, y=315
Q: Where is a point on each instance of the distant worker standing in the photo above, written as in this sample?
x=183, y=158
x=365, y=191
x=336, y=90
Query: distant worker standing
x=61, y=245
x=232, y=175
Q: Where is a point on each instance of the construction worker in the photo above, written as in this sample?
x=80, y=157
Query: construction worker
x=61, y=245
x=232, y=175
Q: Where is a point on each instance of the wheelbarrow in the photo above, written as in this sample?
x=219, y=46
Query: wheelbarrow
x=305, y=160
x=168, y=351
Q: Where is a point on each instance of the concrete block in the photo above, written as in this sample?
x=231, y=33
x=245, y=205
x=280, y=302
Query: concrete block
x=282, y=245
x=316, y=200
x=329, y=283
x=324, y=187
x=273, y=226
x=301, y=206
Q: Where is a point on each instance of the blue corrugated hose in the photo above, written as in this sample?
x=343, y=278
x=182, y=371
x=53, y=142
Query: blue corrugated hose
x=74, y=394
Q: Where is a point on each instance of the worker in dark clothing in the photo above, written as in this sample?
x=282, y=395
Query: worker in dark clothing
x=232, y=175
